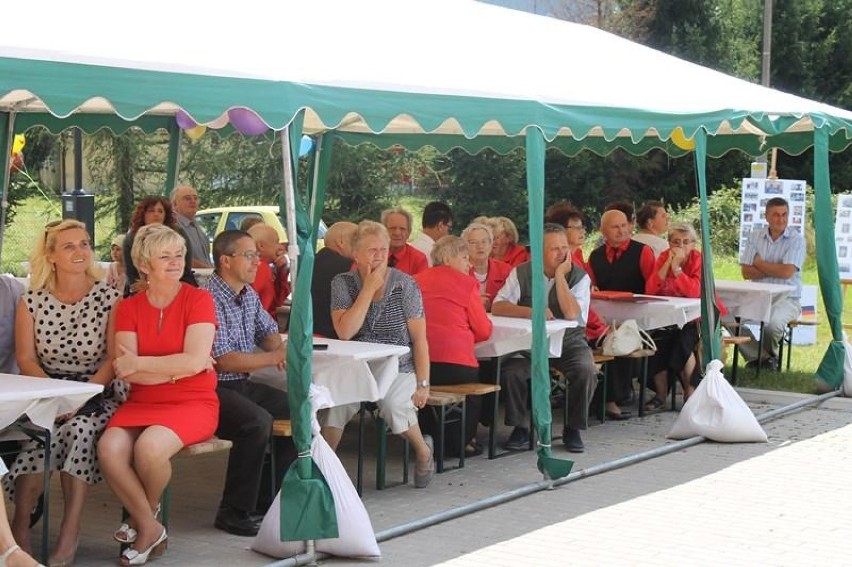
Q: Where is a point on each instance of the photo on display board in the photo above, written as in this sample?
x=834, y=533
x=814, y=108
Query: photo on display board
x=773, y=188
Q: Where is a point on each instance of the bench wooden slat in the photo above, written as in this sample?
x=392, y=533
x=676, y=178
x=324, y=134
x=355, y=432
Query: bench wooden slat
x=282, y=428
x=443, y=399
x=735, y=340
x=212, y=445
x=472, y=389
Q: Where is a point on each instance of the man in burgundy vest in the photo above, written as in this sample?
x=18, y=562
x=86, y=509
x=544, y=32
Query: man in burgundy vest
x=619, y=264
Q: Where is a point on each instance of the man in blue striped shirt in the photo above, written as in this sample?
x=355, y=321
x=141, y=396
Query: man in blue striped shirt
x=774, y=254
x=246, y=409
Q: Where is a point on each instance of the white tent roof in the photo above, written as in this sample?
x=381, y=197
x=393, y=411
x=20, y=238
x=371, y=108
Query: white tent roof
x=391, y=66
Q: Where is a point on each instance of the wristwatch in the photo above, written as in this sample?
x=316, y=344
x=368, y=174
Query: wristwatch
x=423, y=384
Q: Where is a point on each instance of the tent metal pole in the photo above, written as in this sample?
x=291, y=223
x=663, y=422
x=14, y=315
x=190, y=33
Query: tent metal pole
x=290, y=212
x=7, y=174
x=534, y=487
x=173, y=162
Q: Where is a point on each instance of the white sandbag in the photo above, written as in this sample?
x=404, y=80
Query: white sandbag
x=716, y=411
x=356, y=537
x=847, y=368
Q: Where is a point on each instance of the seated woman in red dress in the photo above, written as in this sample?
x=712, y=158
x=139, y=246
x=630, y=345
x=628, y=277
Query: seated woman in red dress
x=490, y=273
x=455, y=320
x=163, y=341
x=677, y=273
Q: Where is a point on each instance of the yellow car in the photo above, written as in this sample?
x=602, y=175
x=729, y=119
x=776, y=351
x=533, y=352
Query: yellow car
x=216, y=220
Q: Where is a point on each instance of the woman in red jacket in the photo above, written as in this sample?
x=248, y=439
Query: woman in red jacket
x=455, y=320
x=490, y=273
x=677, y=273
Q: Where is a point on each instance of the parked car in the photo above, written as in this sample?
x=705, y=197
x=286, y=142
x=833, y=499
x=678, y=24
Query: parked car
x=215, y=220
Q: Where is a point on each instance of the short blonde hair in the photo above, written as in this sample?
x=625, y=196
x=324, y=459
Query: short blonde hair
x=150, y=240
x=505, y=225
x=446, y=248
x=367, y=228
x=478, y=226
x=43, y=274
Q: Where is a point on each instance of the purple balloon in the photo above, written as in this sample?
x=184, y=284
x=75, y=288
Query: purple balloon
x=247, y=122
x=184, y=121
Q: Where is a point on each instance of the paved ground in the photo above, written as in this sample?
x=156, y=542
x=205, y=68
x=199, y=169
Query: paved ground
x=778, y=503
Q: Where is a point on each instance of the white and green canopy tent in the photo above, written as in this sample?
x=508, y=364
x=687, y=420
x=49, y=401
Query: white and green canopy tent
x=449, y=73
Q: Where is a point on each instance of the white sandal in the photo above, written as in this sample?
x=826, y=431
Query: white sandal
x=12, y=549
x=127, y=535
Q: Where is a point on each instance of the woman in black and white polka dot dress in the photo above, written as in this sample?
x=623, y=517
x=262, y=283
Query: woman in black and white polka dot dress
x=64, y=329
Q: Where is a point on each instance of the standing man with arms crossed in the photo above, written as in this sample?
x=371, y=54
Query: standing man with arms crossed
x=185, y=204
x=774, y=254
x=246, y=409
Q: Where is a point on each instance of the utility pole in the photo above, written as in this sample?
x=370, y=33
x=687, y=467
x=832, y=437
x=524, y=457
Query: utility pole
x=767, y=43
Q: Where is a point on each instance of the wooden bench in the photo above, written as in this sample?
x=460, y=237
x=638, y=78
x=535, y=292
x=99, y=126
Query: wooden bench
x=443, y=404
x=476, y=389
x=787, y=338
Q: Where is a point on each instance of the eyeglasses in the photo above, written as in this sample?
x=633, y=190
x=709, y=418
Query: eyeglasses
x=681, y=242
x=250, y=255
x=475, y=243
x=577, y=227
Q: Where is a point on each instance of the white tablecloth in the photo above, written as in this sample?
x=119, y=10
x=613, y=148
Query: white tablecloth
x=650, y=311
x=751, y=301
x=353, y=371
x=512, y=334
x=40, y=399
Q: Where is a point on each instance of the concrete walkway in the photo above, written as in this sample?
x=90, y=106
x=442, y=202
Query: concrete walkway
x=776, y=503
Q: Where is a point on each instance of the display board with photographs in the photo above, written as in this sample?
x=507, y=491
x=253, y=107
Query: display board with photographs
x=843, y=235
x=756, y=193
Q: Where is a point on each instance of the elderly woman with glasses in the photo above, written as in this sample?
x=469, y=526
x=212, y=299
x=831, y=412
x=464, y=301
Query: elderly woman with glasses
x=163, y=337
x=490, y=273
x=455, y=320
x=64, y=330
x=677, y=273
x=379, y=304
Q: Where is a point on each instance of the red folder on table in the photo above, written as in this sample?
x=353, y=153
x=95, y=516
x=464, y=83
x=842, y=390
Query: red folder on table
x=613, y=295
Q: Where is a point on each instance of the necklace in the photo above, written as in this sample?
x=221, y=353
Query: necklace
x=161, y=308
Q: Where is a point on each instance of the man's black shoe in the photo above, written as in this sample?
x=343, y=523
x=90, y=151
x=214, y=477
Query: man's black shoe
x=519, y=440
x=572, y=440
x=771, y=363
x=237, y=522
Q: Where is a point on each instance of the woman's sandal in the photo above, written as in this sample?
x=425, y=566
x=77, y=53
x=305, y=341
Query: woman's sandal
x=131, y=556
x=655, y=404
x=126, y=534
x=4, y=557
x=473, y=449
